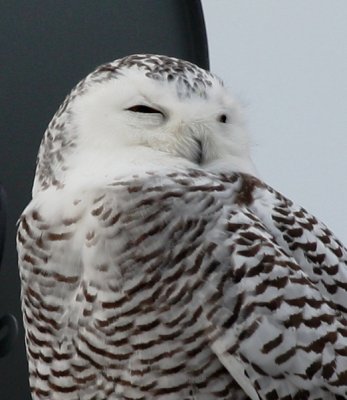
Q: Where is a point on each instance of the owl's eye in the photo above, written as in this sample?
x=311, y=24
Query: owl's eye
x=143, y=109
x=223, y=118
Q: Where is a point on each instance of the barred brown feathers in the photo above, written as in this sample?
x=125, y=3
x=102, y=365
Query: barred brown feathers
x=155, y=265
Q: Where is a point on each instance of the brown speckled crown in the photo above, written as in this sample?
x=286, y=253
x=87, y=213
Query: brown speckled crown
x=162, y=68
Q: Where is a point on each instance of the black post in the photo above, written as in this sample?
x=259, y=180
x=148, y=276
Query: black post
x=8, y=323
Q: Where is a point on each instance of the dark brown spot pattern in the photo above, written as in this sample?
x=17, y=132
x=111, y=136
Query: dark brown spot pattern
x=158, y=285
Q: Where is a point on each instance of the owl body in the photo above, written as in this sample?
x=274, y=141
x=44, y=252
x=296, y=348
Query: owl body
x=151, y=346
x=155, y=265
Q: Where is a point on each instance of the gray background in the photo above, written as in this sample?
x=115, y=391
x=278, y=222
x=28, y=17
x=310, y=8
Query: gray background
x=286, y=60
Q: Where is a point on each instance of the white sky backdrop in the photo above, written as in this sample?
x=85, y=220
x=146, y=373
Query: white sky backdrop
x=286, y=61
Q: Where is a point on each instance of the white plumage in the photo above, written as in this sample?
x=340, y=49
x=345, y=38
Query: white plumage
x=155, y=265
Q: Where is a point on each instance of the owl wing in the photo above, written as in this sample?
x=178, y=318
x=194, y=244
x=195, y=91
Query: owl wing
x=285, y=336
x=52, y=275
x=313, y=246
x=172, y=284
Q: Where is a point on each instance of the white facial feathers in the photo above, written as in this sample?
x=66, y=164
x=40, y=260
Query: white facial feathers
x=139, y=115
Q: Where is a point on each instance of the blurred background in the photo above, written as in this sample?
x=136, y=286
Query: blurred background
x=286, y=61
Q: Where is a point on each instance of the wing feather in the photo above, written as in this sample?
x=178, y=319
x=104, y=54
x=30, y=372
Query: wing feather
x=181, y=284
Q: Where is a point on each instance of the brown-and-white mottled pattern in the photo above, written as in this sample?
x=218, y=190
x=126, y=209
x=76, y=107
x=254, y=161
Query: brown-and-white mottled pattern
x=154, y=265
x=171, y=285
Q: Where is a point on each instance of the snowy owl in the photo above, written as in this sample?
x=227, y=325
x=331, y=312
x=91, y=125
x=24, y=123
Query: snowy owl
x=156, y=265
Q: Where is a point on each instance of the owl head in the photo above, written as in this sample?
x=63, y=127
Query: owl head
x=138, y=113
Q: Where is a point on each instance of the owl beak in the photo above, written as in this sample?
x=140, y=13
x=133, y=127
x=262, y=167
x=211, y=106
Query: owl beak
x=192, y=142
x=199, y=157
